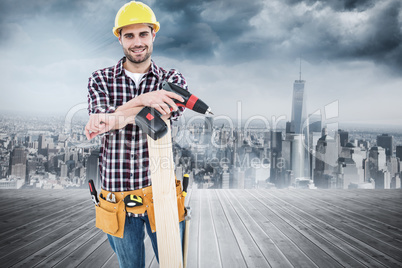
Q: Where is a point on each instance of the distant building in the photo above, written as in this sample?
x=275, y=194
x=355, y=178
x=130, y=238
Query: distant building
x=314, y=123
x=276, y=174
x=326, y=162
x=92, y=166
x=399, y=152
x=376, y=168
x=18, y=163
x=298, y=107
x=42, y=144
x=385, y=141
x=343, y=137
x=225, y=180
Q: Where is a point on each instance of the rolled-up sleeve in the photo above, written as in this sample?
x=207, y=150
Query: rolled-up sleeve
x=98, y=96
x=177, y=78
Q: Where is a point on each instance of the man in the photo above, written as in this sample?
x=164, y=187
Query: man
x=116, y=95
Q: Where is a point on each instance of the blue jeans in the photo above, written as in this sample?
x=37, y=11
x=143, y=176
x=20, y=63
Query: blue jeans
x=130, y=249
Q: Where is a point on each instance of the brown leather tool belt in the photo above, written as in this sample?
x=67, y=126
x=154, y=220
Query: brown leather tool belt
x=111, y=217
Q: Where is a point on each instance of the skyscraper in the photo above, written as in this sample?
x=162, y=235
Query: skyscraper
x=276, y=155
x=92, y=166
x=300, y=161
x=298, y=107
x=343, y=137
x=18, y=161
x=385, y=141
x=399, y=152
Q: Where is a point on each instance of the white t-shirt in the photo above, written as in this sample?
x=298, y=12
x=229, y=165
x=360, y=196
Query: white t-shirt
x=135, y=76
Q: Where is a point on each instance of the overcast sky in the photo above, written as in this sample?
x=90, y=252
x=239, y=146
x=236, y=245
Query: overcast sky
x=232, y=53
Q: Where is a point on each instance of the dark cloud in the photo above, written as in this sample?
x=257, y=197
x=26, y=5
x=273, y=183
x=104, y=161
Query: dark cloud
x=224, y=30
x=338, y=5
x=384, y=41
x=319, y=30
x=198, y=29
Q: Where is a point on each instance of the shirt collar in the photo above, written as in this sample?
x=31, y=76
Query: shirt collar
x=119, y=69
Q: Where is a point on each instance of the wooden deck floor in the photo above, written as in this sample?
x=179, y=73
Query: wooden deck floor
x=229, y=228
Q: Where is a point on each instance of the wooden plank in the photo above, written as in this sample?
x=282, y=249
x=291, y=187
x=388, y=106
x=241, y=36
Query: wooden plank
x=251, y=252
x=99, y=256
x=23, y=202
x=9, y=221
x=340, y=230
x=20, y=200
x=336, y=248
x=383, y=205
x=208, y=245
x=389, y=199
x=193, y=248
x=379, y=230
x=341, y=224
x=293, y=245
x=358, y=215
x=229, y=250
x=69, y=249
x=81, y=252
x=165, y=200
x=32, y=246
x=250, y=217
x=22, y=239
x=371, y=236
x=149, y=251
x=59, y=247
x=111, y=262
x=35, y=230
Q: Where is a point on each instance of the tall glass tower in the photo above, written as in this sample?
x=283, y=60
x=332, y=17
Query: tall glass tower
x=300, y=139
x=298, y=107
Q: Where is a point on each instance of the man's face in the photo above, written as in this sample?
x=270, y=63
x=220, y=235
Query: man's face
x=137, y=42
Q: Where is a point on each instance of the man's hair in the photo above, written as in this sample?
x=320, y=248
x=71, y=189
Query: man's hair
x=147, y=24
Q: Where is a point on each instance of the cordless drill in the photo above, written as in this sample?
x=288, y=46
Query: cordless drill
x=150, y=121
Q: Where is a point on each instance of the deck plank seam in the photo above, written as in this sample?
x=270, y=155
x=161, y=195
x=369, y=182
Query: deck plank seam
x=214, y=230
x=280, y=231
x=238, y=215
x=50, y=247
x=42, y=227
x=70, y=258
x=39, y=219
x=22, y=203
x=61, y=227
x=364, y=244
x=324, y=234
x=366, y=203
x=65, y=245
x=358, y=222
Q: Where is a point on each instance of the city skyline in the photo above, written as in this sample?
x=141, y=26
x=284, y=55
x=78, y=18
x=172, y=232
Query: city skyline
x=249, y=53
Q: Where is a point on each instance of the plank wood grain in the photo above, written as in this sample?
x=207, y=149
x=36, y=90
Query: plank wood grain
x=165, y=201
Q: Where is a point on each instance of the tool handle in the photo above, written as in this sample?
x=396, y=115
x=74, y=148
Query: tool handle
x=185, y=182
x=176, y=89
x=93, y=190
x=190, y=101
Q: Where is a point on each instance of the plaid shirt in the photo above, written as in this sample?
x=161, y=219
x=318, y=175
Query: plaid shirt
x=123, y=160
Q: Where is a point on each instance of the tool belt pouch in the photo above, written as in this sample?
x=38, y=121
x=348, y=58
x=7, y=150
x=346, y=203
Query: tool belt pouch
x=111, y=217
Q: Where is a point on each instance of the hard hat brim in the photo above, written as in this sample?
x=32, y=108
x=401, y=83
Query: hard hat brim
x=116, y=30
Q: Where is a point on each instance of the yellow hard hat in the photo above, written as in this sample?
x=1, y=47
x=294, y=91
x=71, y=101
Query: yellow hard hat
x=133, y=13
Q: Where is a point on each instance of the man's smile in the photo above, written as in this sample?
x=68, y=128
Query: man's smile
x=138, y=50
